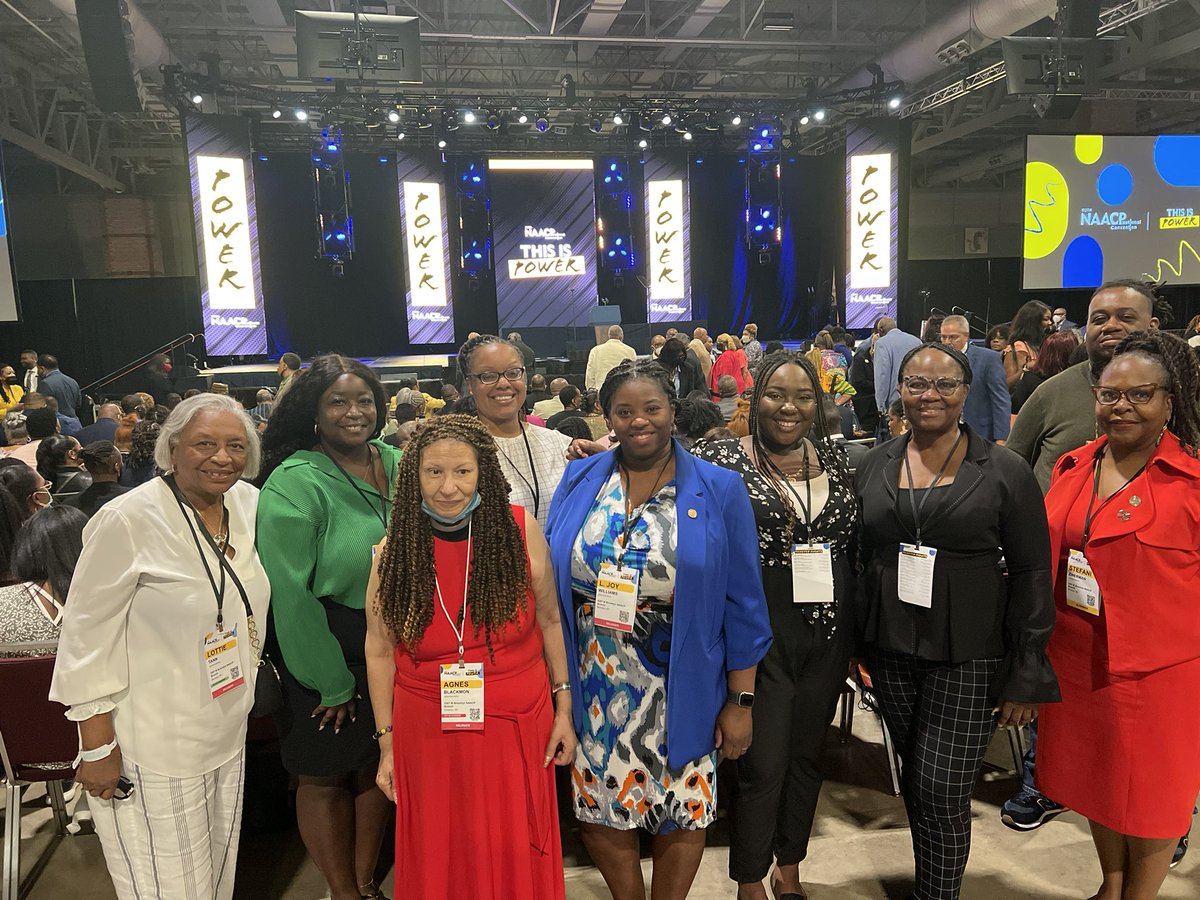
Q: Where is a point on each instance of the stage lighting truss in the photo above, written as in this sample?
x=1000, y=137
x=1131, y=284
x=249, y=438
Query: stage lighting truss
x=614, y=219
x=331, y=199
x=764, y=192
x=474, y=219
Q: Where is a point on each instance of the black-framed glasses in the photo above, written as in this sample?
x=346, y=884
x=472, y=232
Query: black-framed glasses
x=919, y=384
x=1138, y=395
x=516, y=373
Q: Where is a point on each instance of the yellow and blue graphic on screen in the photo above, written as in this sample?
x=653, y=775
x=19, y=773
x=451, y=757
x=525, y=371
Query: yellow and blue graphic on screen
x=1153, y=213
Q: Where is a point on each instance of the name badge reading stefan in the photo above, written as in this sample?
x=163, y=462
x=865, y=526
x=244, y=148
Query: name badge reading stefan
x=812, y=573
x=462, y=696
x=616, y=598
x=1083, y=591
x=222, y=662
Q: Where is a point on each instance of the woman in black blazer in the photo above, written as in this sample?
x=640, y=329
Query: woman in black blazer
x=955, y=645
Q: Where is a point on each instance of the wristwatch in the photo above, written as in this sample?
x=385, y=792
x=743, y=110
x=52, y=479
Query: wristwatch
x=744, y=699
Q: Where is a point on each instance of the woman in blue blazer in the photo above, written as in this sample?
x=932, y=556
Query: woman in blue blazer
x=655, y=556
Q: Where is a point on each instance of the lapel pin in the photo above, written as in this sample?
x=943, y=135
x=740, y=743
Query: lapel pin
x=1135, y=501
x=691, y=514
x=1124, y=515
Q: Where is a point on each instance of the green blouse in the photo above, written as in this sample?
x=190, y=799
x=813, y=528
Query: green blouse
x=306, y=557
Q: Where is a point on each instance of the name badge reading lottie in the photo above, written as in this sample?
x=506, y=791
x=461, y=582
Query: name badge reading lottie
x=462, y=696
x=222, y=662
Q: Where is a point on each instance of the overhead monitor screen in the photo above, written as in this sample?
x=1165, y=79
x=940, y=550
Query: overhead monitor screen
x=1098, y=208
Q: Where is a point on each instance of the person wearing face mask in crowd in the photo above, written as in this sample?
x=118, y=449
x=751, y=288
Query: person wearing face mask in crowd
x=60, y=464
x=656, y=345
x=1060, y=320
x=956, y=647
x=462, y=589
x=1124, y=510
x=325, y=502
x=681, y=368
x=11, y=392
x=656, y=564
x=807, y=517
x=28, y=488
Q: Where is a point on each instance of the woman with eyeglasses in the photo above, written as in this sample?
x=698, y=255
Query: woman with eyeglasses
x=532, y=458
x=27, y=486
x=956, y=644
x=1123, y=748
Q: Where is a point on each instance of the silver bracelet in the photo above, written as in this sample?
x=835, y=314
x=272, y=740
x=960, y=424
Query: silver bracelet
x=561, y=686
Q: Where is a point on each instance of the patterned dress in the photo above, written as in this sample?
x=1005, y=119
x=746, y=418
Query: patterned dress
x=26, y=629
x=620, y=776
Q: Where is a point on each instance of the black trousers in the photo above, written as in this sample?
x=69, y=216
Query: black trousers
x=796, y=693
x=940, y=716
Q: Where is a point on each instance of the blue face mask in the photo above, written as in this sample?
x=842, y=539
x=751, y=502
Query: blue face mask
x=472, y=505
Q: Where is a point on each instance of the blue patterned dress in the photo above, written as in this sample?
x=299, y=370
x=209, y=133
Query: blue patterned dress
x=620, y=776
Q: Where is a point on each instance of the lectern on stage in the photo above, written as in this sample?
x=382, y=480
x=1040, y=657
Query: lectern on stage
x=601, y=318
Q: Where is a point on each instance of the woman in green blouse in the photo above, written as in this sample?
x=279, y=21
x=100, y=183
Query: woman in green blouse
x=325, y=502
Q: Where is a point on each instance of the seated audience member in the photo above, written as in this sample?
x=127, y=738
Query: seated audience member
x=739, y=422
x=547, y=408
x=590, y=408
x=192, y=392
x=140, y=467
x=694, y=419
x=12, y=515
x=772, y=347
x=573, y=427
x=404, y=433
x=156, y=414
x=288, y=369
x=728, y=392
x=68, y=425
x=28, y=488
x=39, y=425
x=537, y=392
x=173, y=400
x=264, y=400
x=11, y=392
x=43, y=561
x=102, y=460
x=53, y=383
x=405, y=413
x=656, y=345
x=108, y=418
x=131, y=414
x=259, y=422
x=59, y=463
x=219, y=387
x=571, y=399
x=450, y=398
x=897, y=419
x=15, y=434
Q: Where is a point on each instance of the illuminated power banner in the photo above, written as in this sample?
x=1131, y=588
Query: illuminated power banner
x=668, y=240
x=223, y=209
x=544, y=232
x=875, y=155
x=8, y=281
x=424, y=223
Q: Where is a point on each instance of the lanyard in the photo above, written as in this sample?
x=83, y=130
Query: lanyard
x=912, y=488
x=222, y=562
x=1087, y=522
x=805, y=505
x=380, y=513
x=533, y=486
x=787, y=493
x=460, y=628
x=631, y=520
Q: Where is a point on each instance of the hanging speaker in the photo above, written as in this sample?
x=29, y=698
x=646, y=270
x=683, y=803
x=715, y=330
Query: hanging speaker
x=108, y=48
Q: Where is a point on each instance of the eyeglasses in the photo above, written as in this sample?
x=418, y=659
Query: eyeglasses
x=917, y=385
x=516, y=373
x=1138, y=396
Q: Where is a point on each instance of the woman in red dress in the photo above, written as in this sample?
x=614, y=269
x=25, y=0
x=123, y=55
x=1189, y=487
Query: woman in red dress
x=1123, y=747
x=466, y=659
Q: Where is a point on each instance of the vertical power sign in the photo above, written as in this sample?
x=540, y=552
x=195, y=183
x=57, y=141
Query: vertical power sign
x=424, y=224
x=668, y=239
x=231, y=296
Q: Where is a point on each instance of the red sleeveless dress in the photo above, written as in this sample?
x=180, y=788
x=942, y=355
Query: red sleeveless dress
x=475, y=810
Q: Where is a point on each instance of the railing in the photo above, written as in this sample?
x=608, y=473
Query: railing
x=139, y=362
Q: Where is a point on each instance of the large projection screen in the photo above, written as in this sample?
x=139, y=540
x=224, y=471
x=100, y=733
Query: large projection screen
x=544, y=231
x=1098, y=208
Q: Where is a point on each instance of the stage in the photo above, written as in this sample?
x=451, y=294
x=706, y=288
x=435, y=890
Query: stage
x=389, y=369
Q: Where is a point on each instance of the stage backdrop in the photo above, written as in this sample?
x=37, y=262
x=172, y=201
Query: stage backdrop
x=425, y=224
x=226, y=220
x=8, y=284
x=669, y=231
x=544, y=239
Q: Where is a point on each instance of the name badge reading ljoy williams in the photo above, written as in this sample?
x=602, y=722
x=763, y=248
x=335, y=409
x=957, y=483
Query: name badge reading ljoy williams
x=616, y=598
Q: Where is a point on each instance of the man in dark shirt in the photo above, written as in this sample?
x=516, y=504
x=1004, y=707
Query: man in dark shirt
x=527, y=358
x=54, y=383
x=103, y=462
x=537, y=392
x=571, y=399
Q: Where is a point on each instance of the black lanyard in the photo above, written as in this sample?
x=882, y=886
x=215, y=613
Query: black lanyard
x=380, y=513
x=912, y=489
x=222, y=562
x=805, y=505
x=630, y=519
x=1087, y=522
x=533, y=486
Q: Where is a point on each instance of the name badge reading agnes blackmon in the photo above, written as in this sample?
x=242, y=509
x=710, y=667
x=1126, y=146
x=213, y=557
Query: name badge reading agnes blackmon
x=462, y=696
x=222, y=662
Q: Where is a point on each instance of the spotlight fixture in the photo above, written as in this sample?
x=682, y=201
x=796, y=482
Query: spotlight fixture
x=522, y=118
x=597, y=125
x=393, y=116
x=301, y=114
x=542, y=123
x=450, y=120
x=687, y=135
x=894, y=103
x=819, y=115
x=493, y=121
x=423, y=118
x=804, y=120
x=469, y=117
x=276, y=113
x=197, y=99
x=643, y=144
x=400, y=135
x=618, y=119
x=735, y=120
x=666, y=118
x=442, y=145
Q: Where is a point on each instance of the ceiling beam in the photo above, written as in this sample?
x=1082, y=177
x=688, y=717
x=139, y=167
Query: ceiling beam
x=54, y=156
x=991, y=119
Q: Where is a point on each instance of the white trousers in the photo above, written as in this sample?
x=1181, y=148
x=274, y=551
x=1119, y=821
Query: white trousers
x=175, y=838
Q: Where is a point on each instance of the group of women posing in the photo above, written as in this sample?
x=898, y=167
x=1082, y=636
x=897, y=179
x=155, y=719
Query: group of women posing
x=452, y=622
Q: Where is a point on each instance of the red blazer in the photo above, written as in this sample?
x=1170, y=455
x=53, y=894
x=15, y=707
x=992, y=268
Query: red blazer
x=1147, y=563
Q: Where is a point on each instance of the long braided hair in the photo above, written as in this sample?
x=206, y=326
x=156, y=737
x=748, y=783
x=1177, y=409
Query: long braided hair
x=834, y=463
x=1179, y=361
x=499, y=573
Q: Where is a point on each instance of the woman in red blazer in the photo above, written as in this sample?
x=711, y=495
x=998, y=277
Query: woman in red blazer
x=1123, y=747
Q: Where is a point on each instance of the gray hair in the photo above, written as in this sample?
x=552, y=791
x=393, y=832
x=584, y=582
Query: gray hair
x=181, y=416
x=615, y=331
x=959, y=322
x=14, y=427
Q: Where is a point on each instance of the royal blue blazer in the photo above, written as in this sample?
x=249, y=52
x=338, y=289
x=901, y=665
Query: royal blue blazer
x=720, y=620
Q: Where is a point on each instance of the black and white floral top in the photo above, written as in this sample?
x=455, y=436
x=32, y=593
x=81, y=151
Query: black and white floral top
x=837, y=523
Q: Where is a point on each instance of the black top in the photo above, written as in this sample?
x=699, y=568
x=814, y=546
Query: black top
x=552, y=422
x=837, y=524
x=690, y=377
x=100, y=430
x=96, y=496
x=70, y=481
x=992, y=509
x=527, y=357
x=533, y=397
x=1028, y=383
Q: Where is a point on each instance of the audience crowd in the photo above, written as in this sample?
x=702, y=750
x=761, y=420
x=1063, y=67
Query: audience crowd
x=680, y=556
